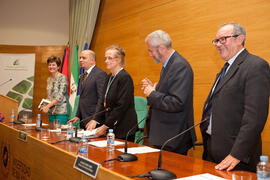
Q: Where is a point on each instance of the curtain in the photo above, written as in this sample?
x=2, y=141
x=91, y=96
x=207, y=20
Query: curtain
x=82, y=20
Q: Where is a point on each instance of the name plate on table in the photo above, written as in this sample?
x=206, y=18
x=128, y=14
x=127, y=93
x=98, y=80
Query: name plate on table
x=86, y=166
x=22, y=136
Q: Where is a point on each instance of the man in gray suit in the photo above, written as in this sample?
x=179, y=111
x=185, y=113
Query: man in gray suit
x=91, y=87
x=171, y=99
x=237, y=105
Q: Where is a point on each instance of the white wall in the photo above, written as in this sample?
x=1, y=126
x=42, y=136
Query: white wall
x=34, y=22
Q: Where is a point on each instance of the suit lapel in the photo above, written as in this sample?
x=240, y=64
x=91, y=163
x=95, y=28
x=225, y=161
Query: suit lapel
x=233, y=69
x=166, y=69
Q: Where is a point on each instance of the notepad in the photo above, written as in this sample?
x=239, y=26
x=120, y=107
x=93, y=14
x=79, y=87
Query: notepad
x=205, y=176
x=104, y=143
x=43, y=103
x=86, y=133
x=140, y=150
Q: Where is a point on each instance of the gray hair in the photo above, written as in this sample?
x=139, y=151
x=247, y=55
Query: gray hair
x=237, y=29
x=159, y=37
x=119, y=51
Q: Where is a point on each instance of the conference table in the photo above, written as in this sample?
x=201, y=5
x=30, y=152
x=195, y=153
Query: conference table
x=33, y=158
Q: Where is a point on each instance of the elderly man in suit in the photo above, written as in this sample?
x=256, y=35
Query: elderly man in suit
x=237, y=105
x=171, y=99
x=91, y=88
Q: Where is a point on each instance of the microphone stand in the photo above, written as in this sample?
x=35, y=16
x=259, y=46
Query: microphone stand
x=126, y=157
x=18, y=122
x=160, y=173
x=77, y=139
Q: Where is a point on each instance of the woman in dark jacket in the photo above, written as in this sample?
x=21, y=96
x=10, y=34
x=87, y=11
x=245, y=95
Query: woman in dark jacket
x=118, y=98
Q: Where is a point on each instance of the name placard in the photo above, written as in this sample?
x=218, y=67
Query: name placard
x=86, y=166
x=22, y=136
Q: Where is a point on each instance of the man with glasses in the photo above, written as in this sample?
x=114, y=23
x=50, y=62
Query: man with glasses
x=237, y=106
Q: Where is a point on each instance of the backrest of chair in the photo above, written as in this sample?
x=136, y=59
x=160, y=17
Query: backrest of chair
x=141, y=109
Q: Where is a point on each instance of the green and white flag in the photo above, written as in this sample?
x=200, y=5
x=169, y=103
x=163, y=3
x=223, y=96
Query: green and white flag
x=74, y=79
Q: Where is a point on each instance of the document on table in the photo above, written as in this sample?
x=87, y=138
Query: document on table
x=34, y=124
x=86, y=133
x=140, y=150
x=104, y=143
x=205, y=176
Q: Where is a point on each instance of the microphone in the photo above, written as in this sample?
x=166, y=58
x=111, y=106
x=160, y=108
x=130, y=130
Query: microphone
x=77, y=139
x=18, y=122
x=160, y=173
x=5, y=82
x=140, y=139
x=126, y=157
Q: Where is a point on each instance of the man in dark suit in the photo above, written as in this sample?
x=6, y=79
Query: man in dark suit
x=91, y=87
x=237, y=106
x=171, y=100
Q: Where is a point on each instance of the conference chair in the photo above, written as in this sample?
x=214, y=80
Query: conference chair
x=141, y=110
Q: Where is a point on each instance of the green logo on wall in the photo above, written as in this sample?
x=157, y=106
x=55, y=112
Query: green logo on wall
x=16, y=62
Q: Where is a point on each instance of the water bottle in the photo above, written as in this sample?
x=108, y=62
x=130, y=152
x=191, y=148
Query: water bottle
x=12, y=116
x=70, y=131
x=263, y=169
x=83, y=148
x=38, y=121
x=110, y=140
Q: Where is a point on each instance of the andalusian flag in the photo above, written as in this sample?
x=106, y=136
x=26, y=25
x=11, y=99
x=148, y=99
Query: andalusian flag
x=74, y=79
x=81, y=70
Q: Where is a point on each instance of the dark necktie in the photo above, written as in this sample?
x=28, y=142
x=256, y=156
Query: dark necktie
x=208, y=106
x=222, y=74
x=84, y=78
x=161, y=72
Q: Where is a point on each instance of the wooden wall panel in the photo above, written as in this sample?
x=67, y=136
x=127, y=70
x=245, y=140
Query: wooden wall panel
x=41, y=71
x=192, y=25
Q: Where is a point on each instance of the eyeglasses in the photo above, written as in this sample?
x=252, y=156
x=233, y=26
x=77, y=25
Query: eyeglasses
x=222, y=40
x=109, y=58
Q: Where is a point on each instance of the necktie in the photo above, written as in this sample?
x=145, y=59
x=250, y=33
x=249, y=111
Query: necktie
x=208, y=106
x=162, y=71
x=84, y=77
x=222, y=74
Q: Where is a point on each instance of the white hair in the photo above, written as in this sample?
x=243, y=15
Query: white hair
x=159, y=37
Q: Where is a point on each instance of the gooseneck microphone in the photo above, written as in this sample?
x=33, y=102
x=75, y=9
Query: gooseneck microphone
x=126, y=157
x=160, y=173
x=18, y=122
x=77, y=139
x=140, y=139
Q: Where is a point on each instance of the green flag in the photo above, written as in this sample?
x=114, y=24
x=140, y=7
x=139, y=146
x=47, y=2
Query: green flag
x=74, y=79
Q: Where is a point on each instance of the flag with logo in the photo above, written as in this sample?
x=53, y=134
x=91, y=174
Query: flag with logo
x=74, y=79
x=81, y=70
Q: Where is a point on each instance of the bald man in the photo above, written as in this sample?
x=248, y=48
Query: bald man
x=91, y=87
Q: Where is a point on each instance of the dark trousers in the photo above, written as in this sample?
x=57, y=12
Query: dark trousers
x=240, y=166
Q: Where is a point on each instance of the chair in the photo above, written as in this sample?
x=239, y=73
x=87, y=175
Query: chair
x=141, y=110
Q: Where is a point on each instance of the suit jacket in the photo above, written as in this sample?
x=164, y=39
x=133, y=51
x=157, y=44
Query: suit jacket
x=239, y=111
x=120, y=99
x=171, y=105
x=90, y=95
